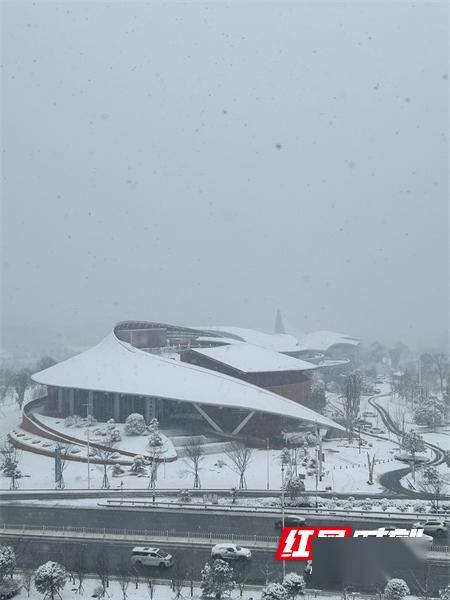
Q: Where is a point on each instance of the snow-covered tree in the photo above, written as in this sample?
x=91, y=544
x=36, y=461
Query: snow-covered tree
x=49, y=579
x=294, y=584
x=117, y=470
x=138, y=466
x=318, y=395
x=413, y=442
x=154, y=437
x=7, y=562
x=431, y=412
x=396, y=589
x=9, y=461
x=294, y=486
x=135, y=424
x=216, y=579
x=184, y=496
x=274, y=591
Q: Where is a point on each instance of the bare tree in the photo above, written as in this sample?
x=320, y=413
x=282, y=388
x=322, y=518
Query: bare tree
x=240, y=457
x=178, y=577
x=27, y=580
x=267, y=570
x=241, y=575
x=102, y=568
x=194, y=455
x=154, y=460
x=79, y=566
x=19, y=381
x=9, y=461
x=104, y=453
x=370, y=467
x=124, y=577
x=62, y=453
x=350, y=402
x=432, y=484
x=441, y=366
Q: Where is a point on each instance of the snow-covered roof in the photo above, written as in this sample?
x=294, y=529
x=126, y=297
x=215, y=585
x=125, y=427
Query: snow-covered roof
x=117, y=367
x=281, y=342
x=249, y=358
x=324, y=340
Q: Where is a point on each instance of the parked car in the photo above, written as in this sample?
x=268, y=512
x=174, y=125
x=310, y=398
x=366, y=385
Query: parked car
x=151, y=557
x=230, y=552
x=290, y=521
x=438, y=528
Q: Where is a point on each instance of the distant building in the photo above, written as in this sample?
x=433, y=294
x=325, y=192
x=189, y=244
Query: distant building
x=190, y=379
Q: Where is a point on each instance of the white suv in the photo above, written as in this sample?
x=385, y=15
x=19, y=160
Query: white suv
x=151, y=557
x=433, y=527
x=230, y=552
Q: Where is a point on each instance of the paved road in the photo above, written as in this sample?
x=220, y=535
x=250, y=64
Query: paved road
x=353, y=564
x=260, y=524
x=328, y=570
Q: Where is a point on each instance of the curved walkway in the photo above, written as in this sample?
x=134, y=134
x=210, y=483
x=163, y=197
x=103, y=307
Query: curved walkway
x=391, y=480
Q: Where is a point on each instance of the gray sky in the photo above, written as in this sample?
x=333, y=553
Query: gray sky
x=207, y=163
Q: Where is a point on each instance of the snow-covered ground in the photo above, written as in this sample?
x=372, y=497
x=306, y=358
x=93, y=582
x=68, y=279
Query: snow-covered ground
x=154, y=591
x=345, y=465
x=142, y=591
x=137, y=444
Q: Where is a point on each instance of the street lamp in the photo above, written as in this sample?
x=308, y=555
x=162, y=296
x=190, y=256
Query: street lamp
x=282, y=511
x=88, y=446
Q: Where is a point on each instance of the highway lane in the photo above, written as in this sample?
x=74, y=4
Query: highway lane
x=261, y=524
x=336, y=563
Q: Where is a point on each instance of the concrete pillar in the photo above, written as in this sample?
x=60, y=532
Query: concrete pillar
x=60, y=402
x=90, y=402
x=149, y=409
x=71, y=401
x=116, y=407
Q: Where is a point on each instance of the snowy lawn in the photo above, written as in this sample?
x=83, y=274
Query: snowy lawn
x=143, y=590
x=345, y=470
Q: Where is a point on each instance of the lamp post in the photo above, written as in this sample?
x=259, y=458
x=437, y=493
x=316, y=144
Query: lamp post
x=282, y=511
x=88, y=446
x=267, y=465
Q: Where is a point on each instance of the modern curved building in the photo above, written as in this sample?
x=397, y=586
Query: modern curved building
x=192, y=379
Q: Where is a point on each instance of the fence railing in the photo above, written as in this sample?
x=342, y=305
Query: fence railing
x=97, y=533
x=321, y=512
x=167, y=534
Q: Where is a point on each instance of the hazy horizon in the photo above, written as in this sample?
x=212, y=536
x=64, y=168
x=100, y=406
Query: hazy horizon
x=208, y=163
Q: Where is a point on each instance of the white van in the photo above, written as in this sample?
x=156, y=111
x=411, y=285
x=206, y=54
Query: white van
x=151, y=557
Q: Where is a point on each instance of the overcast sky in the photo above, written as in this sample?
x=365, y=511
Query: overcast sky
x=207, y=163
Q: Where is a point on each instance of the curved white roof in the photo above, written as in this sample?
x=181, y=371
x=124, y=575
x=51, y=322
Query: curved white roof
x=117, y=367
x=249, y=358
x=324, y=340
x=281, y=342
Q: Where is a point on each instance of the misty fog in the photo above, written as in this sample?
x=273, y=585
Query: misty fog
x=208, y=163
